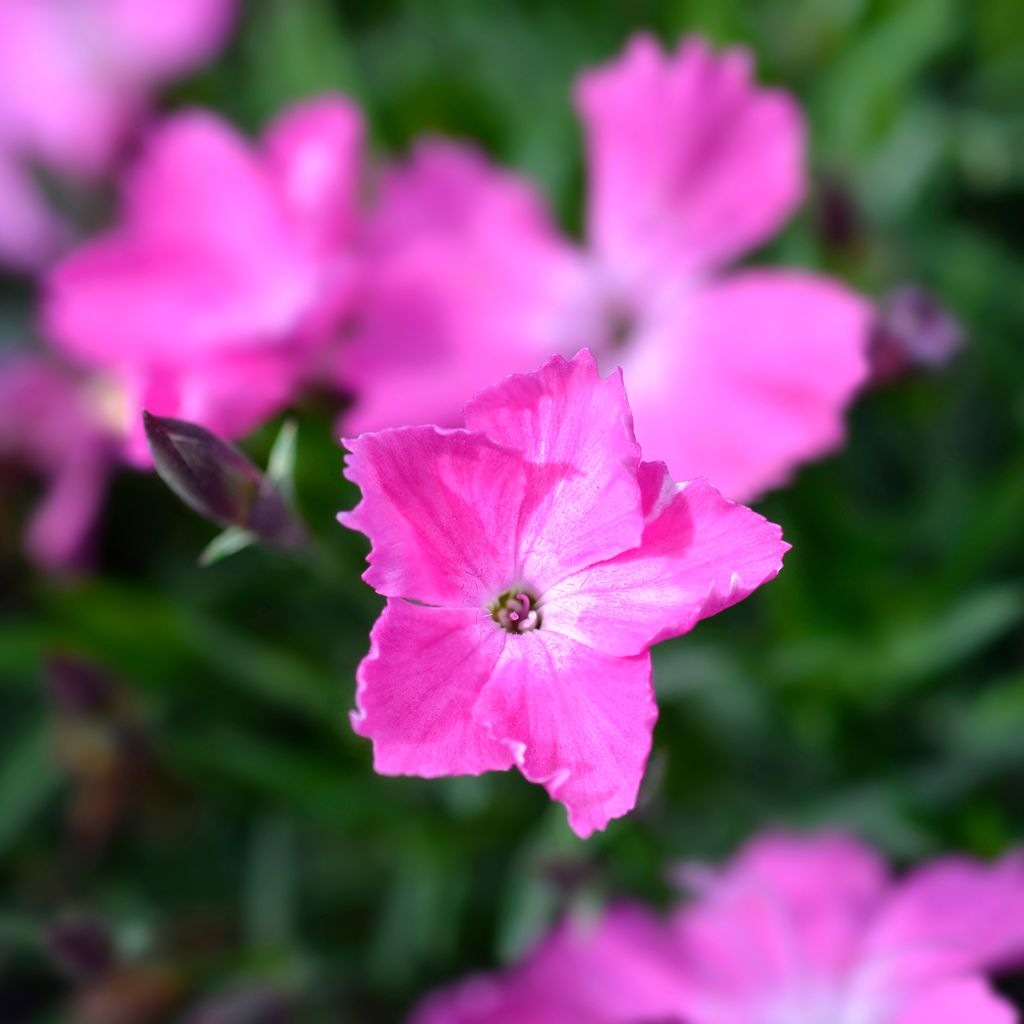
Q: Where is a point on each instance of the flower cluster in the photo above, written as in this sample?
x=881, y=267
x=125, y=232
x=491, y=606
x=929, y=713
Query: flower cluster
x=795, y=930
x=237, y=274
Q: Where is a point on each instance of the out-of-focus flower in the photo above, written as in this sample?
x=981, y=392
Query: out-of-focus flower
x=619, y=969
x=51, y=424
x=76, y=77
x=736, y=377
x=543, y=559
x=793, y=931
x=912, y=331
x=213, y=298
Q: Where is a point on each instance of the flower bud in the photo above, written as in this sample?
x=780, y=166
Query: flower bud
x=216, y=480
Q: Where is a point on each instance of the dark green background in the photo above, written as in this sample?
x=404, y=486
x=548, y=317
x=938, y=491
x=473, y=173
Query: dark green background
x=878, y=684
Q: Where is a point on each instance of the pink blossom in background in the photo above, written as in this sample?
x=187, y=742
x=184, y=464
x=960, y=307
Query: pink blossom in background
x=530, y=560
x=215, y=295
x=51, y=426
x=621, y=968
x=737, y=376
x=795, y=930
x=76, y=77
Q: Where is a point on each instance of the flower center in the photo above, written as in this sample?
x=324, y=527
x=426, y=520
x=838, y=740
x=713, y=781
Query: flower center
x=516, y=611
x=620, y=326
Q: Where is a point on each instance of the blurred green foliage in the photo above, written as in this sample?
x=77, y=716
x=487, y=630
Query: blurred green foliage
x=878, y=684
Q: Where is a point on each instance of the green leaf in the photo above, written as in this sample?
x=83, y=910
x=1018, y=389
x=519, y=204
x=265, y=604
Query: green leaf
x=228, y=542
x=28, y=780
x=281, y=464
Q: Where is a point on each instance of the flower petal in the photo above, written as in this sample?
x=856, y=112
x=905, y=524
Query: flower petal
x=700, y=553
x=743, y=380
x=467, y=282
x=618, y=968
x=585, y=506
x=786, y=909
x=204, y=258
x=953, y=916
x=48, y=425
x=958, y=1001
x=441, y=508
x=690, y=162
x=30, y=232
x=417, y=688
x=160, y=40
x=315, y=151
x=624, y=966
x=578, y=722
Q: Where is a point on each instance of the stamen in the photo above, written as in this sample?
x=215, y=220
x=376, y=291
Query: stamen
x=515, y=612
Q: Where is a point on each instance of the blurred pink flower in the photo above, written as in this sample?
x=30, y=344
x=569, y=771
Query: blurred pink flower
x=530, y=560
x=76, y=76
x=620, y=969
x=50, y=426
x=793, y=931
x=737, y=376
x=216, y=293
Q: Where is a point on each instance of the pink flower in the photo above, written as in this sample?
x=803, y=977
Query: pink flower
x=530, y=560
x=75, y=79
x=50, y=426
x=215, y=295
x=793, y=931
x=620, y=969
x=736, y=376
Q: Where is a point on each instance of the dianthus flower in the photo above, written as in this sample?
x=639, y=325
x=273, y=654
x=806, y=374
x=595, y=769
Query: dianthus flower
x=76, y=78
x=735, y=375
x=794, y=931
x=530, y=560
x=213, y=298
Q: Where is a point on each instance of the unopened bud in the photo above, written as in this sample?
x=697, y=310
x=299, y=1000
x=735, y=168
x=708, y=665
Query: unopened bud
x=216, y=480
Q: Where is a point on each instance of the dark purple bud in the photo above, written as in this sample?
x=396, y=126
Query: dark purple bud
x=79, y=688
x=256, y=1005
x=912, y=330
x=81, y=946
x=216, y=480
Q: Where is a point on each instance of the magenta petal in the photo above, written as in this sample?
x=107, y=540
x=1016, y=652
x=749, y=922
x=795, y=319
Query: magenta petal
x=204, y=258
x=61, y=101
x=624, y=966
x=953, y=916
x=315, y=151
x=467, y=281
x=441, y=509
x=619, y=968
x=584, y=505
x=497, y=999
x=417, y=688
x=578, y=722
x=787, y=916
x=700, y=553
x=958, y=1001
x=748, y=377
x=152, y=41
x=690, y=161
x=30, y=232
x=48, y=425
